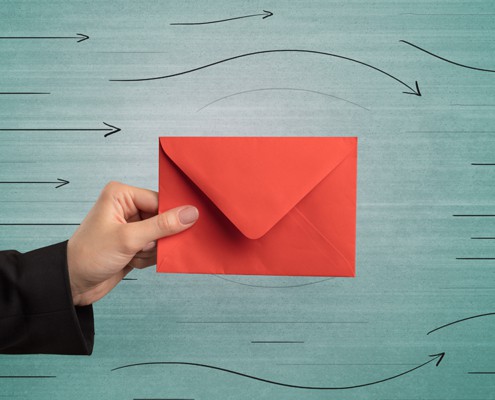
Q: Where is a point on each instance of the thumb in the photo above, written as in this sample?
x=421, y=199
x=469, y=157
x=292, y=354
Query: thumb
x=165, y=224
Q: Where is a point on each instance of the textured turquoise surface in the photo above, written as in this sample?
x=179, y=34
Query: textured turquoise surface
x=415, y=174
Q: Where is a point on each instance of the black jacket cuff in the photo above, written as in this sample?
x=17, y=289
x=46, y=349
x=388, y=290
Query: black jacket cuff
x=38, y=312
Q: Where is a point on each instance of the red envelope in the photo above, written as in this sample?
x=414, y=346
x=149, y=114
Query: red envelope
x=267, y=205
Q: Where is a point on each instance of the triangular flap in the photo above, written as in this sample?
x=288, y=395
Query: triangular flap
x=255, y=181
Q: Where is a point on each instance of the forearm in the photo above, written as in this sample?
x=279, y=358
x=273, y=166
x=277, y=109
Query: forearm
x=36, y=310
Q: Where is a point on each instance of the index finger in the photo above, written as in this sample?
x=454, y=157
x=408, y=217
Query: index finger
x=142, y=199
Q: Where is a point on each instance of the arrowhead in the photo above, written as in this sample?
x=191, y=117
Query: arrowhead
x=115, y=129
x=416, y=92
x=267, y=14
x=84, y=37
x=64, y=182
x=440, y=357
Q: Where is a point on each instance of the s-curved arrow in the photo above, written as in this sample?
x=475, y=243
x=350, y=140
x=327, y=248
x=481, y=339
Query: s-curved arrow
x=434, y=357
x=412, y=90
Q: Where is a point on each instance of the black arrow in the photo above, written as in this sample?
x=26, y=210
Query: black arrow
x=61, y=182
x=79, y=36
x=435, y=357
x=113, y=129
x=414, y=91
x=444, y=59
x=266, y=14
x=460, y=320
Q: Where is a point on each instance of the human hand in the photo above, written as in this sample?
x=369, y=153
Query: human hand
x=119, y=234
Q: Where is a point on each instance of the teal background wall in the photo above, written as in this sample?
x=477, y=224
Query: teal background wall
x=415, y=174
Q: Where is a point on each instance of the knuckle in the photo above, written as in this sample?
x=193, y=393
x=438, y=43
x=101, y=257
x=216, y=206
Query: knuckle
x=167, y=223
x=110, y=188
x=113, y=186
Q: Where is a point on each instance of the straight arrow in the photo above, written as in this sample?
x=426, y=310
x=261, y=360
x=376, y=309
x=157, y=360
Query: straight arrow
x=79, y=36
x=60, y=183
x=110, y=130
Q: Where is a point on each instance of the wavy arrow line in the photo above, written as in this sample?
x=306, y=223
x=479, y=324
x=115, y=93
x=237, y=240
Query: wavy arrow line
x=460, y=320
x=444, y=59
x=113, y=129
x=414, y=91
x=266, y=14
x=61, y=182
x=435, y=357
x=79, y=36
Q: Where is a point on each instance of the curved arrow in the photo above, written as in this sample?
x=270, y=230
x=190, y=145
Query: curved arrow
x=460, y=320
x=435, y=357
x=79, y=36
x=266, y=14
x=61, y=182
x=414, y=91
x=444, y=59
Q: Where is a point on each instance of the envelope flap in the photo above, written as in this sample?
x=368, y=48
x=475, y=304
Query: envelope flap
x=255, y=181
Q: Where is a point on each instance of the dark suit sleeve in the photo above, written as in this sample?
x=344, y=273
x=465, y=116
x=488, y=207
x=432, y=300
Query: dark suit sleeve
x=36, y=310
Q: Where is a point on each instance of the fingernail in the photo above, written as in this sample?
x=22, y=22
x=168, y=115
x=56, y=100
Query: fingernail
x=188, y=215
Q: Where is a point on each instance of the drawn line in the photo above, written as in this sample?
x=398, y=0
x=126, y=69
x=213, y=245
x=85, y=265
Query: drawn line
x=460, y=320
x=270, y=322
x=414, y=91
x=444, y=59
x=434, y=357
x=448, y=14
x=275, y=88
x=473, y=105
x=79, y=36
x=60, y=183
x=482, y=163
x=484, y=237
x=113, y=129
x=483, y=373
x=446, y=131
x=475, y=258
x=4, y=93
x=26, y=376
x=473, y=215
x=34, y=224
x=276, y=341
x=467, y=288
x=271, y=287
x=339, y=364
x=266, y=14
